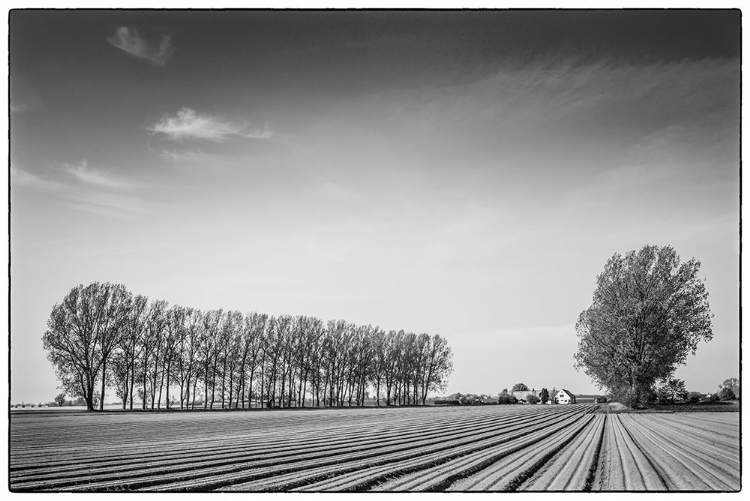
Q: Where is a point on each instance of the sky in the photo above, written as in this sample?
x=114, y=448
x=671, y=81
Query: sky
x=458, y=173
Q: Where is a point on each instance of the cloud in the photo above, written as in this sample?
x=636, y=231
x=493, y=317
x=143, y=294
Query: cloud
x=91, y=176
x=90, y=196
x=188, y=124
x=565, y=97
x=108, y=204
x=20, y=177
x=130, y=41
x=180, y=156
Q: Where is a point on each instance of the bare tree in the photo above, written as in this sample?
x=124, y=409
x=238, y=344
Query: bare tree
x=151, y=351
x=102, y=334
x=82, y=332
x=210, y=352
x=187, y=348
x=254, y=333
x=131, y=343
x=438, y=366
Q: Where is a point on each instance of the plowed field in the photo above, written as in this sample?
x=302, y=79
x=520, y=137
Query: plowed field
x=492, y=448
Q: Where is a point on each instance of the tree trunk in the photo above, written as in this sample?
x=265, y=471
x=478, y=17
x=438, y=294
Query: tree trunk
x=250, y=391
x=125, y=391
x=300, y=395
x=205, y=390
x=195, y=385
x=88, y=395
x=104, y=384
x=161, y=387
x=145, y=378
x=213, y=387
x=241, y=387
x=223, y=382
x=213, y=395
x=168, y=374
x=230, y=392
x=262, y=381
x=132, y=383
x=186, y=396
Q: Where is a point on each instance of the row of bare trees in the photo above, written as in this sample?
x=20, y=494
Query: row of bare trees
x=102, y=336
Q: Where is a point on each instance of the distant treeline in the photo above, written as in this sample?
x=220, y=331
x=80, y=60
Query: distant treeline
x=102, y=336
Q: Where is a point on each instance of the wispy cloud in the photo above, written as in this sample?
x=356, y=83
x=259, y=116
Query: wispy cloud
x=188, y=124
x=570, y=95
x=21, y=177
x=179, y=155
x=82, y=172
x=130, y=41
x=108, y=204
x=93, y=194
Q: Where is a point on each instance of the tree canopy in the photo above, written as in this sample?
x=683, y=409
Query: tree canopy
x=60, y=399
x=649, y=311
x=726, y=393
x=673, y=390
x=520, y=387
x=733, y=384
x=544, y=396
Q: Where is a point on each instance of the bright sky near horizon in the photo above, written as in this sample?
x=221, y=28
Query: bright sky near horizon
x=466, y=174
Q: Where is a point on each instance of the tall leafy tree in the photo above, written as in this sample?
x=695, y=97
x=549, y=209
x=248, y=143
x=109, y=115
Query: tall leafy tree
x=649, y=311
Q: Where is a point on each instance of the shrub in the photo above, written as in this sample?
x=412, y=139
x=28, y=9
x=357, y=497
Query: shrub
x=673, y=390
x=544, y=395
x=60, y=399
x=532, y=399
x=601, y=400
x=447, y=401
x=710, y=399
x=726, y=394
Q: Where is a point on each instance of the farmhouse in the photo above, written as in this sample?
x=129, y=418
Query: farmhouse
x=565, y=397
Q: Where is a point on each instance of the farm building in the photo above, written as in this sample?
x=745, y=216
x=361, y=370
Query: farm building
x=563, y=396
